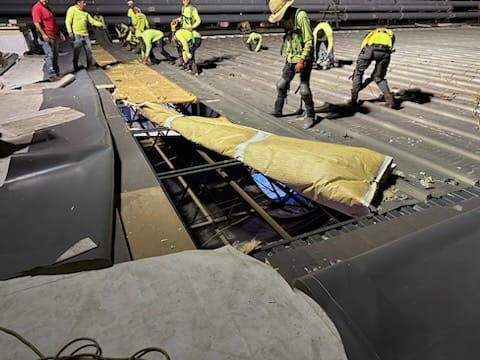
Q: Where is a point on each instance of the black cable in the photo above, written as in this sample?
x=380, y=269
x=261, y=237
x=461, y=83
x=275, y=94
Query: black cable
x=19, y=337
x=76, y=355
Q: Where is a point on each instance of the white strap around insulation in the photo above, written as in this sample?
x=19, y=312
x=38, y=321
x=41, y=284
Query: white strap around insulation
x=240, y=148
x=169, y=120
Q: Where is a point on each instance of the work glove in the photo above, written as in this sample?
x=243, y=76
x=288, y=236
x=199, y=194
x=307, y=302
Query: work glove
x=145, y=61
x=173, y=25
x=187, y=57
x=71, y=37
x=299, y=66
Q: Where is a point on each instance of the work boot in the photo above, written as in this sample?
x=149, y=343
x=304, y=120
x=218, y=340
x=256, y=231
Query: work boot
x=354, y=99
x=194, y=69
x=278, y=107
x=308, y=122
x=389, y=100
x=55, y=78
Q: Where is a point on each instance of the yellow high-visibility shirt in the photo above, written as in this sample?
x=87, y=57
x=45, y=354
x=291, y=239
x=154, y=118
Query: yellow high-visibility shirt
x=77, y=20
x=379, y=36
x=327, y=35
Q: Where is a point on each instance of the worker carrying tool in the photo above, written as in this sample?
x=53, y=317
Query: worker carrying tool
x=189, y=18
x=323, y=40
x=150, y=39
x=187, y=44
x=298, y=40
x=376, y=46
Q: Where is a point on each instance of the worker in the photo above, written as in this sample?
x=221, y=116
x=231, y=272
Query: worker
x=76, y=22
x=323, y=38
x=189, y=18
x=298, y=39
x=187, y=43
x=254, y=41
x=131, y=14
x=44, y=22
x=150, y=39
x=125, y=36
x=376, y=46
x=140, y=23
x=137, y=22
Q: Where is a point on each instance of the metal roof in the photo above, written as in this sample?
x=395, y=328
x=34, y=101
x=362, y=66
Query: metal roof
x=433, y=134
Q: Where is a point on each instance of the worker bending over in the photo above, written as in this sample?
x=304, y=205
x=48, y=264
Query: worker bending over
x=323, y=37
x=187, y=43
x=254, y=41
x=150, y=39
x=376, y=46
x=125, y=35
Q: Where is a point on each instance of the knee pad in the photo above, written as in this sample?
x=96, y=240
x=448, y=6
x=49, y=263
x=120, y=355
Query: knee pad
x=305, y=93
x=282, y=86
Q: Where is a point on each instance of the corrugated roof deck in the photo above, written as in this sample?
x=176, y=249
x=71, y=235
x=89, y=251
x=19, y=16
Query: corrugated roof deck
x=433, y=135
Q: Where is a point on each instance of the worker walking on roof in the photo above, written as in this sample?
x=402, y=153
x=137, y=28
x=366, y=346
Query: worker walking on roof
x=187, y=43
x=376, y=46
x=46, y=27
x=298, y=40
x=150, y=39
x=323, y=38
x=189, y=18
x=76, y=22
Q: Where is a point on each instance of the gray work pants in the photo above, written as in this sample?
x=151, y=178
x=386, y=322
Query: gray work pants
x=381, y=56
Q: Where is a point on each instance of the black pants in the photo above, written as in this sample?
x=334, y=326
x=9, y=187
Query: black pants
x=160, y=45
x=288, y=73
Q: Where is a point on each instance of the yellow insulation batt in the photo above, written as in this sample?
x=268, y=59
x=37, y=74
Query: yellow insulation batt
x=137, y=83
x=341, y=177
x=102, y=56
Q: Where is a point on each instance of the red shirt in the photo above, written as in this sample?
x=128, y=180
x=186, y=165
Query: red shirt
x=43, y=15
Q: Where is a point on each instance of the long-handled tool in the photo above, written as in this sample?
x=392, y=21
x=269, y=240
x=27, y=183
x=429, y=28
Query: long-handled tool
x=300, y=109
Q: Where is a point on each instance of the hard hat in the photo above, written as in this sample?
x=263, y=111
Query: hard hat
x=278, y=8
x=129, y=2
